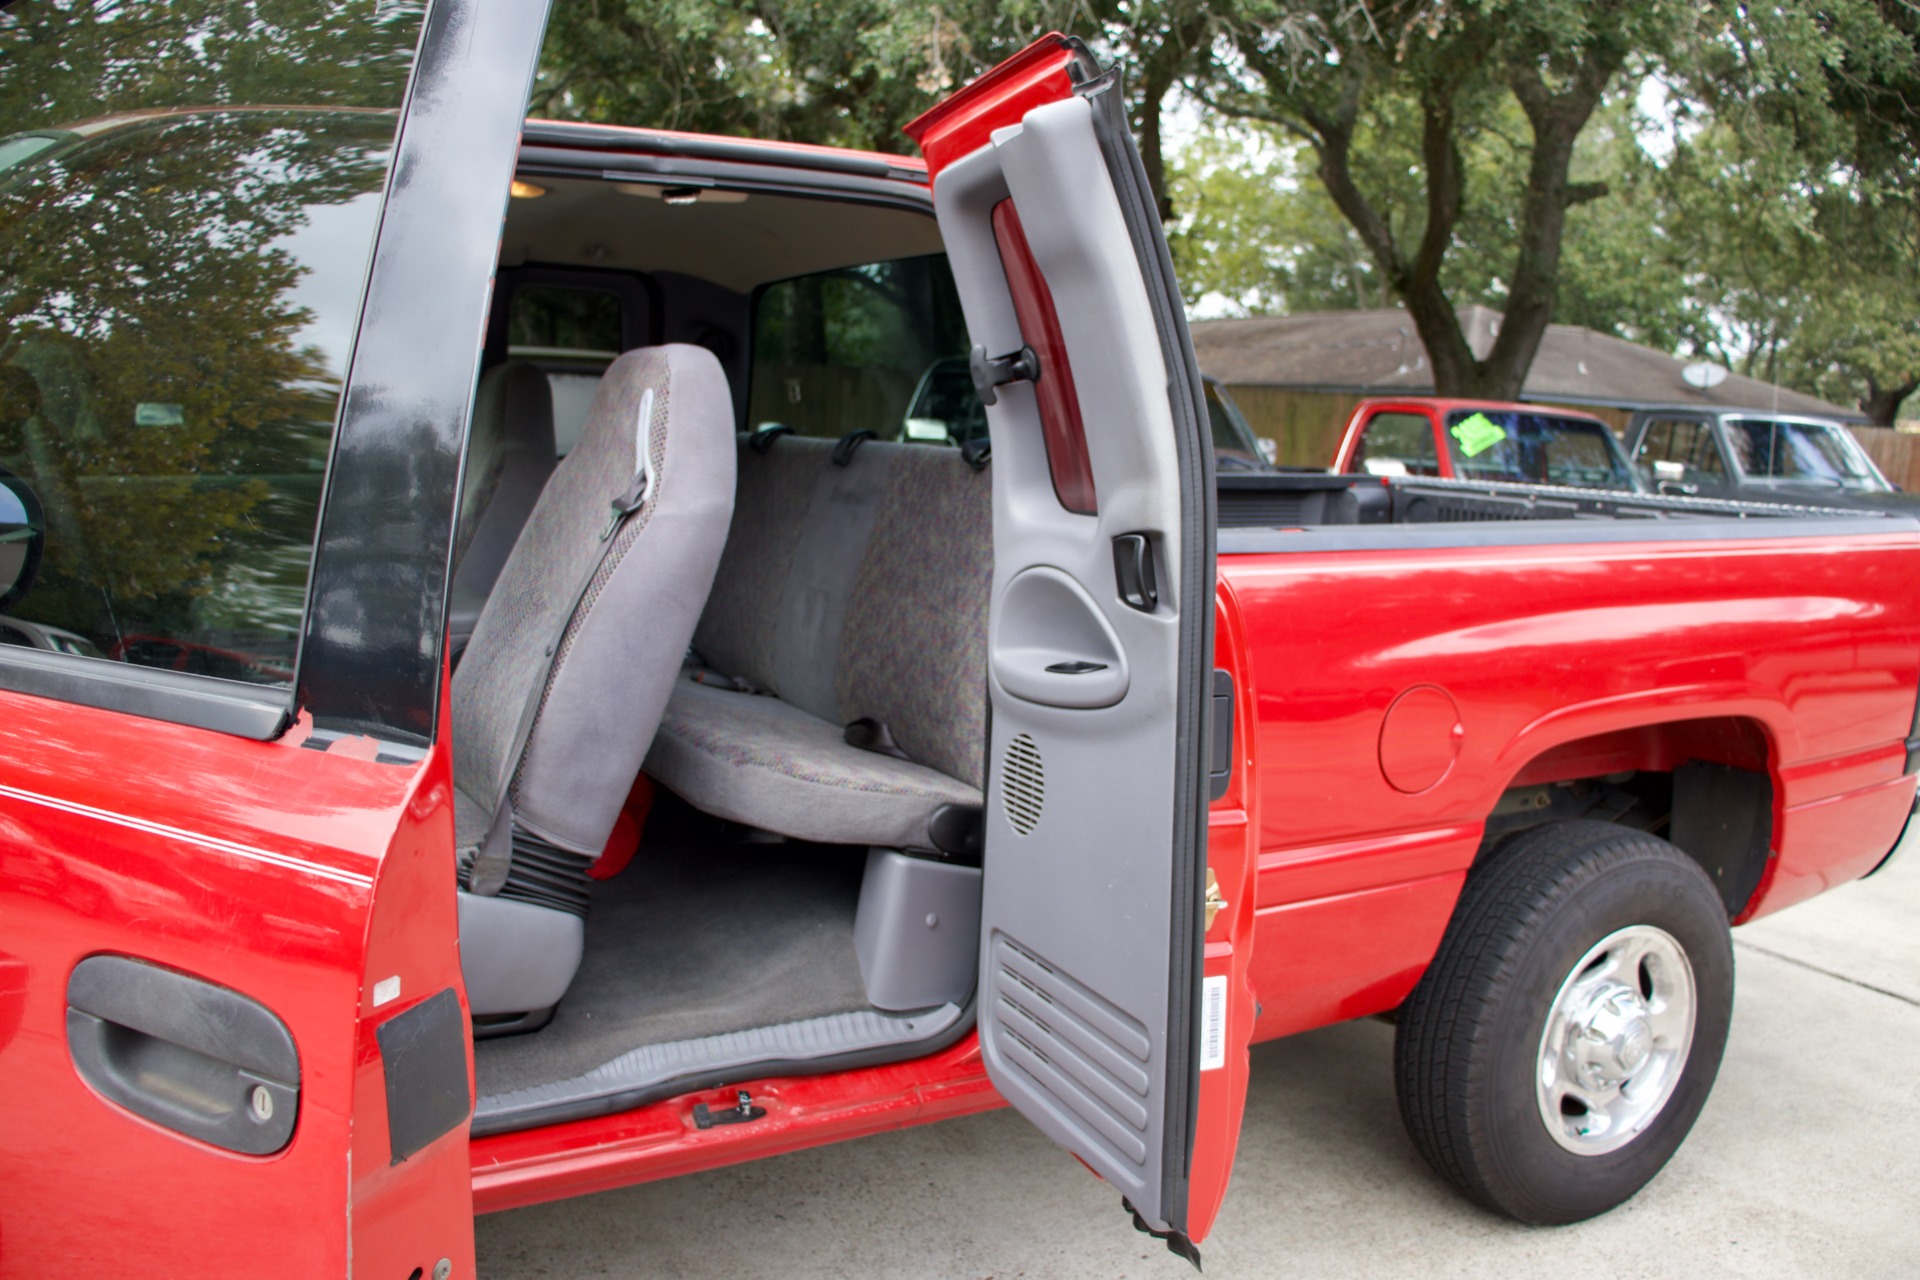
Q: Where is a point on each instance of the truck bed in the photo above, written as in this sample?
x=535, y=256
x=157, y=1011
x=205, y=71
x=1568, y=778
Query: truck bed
x=1302, y=501
x=1500, y=644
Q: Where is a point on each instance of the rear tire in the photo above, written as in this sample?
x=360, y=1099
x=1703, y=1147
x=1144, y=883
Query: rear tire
x=1568, y=1031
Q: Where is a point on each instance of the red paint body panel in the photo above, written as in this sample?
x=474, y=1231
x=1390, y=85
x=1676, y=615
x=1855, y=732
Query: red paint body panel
x=964, y=123
x=1331, y=959
x=1800, y=656
x=661, y=1141
x=255, y=866
x=1229, y=952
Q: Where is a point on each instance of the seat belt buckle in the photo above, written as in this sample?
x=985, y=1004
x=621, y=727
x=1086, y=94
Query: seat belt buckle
x=618, y=514
x=625, y=505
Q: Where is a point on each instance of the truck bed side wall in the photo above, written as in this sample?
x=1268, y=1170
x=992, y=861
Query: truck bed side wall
x=1563, y=659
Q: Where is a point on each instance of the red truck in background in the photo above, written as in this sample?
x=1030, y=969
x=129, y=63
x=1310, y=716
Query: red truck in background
x=1268, y=751
x=1483, y=440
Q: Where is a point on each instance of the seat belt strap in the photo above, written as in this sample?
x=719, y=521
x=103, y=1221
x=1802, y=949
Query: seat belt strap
x=487, y=873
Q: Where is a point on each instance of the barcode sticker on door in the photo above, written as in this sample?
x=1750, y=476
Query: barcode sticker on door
x=1213, y=1023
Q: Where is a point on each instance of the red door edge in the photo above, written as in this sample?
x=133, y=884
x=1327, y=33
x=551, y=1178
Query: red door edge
x=965, y=122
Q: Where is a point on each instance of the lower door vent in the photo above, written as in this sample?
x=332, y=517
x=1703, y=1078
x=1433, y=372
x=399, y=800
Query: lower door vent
x=1023, y=783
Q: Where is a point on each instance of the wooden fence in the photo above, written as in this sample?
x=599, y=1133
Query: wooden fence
x=1897, y=453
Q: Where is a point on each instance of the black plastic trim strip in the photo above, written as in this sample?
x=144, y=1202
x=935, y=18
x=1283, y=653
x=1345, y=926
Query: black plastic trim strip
x=1196, y=575
x=1528, y=533
x=259, y=712
x=372, y=649
x=601, y=138
x=774, y=179
x=423, y=1060
x=1220, y=736
x=772, y=1068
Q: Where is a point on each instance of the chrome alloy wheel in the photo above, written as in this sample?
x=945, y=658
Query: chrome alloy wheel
x=1616, y=1040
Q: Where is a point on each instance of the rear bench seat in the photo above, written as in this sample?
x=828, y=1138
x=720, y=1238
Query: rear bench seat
x=852, y=590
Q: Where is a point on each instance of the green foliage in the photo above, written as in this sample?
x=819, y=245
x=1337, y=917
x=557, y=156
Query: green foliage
x=129, y=266
x=68, y=60
x=1806, y=272
x=844, y=74
x=1490, y=152
x=1256, y=234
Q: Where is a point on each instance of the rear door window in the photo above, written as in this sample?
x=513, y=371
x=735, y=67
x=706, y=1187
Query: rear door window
x=879, y=347
x=1396, y=444
x=574, y=334
x=1535, y=448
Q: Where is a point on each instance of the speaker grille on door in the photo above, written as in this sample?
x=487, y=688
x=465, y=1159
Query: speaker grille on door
x=1023, y=783
x=1086, y=1054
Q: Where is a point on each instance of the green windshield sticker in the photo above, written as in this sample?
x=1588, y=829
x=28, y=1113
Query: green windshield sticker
x=1478, y=434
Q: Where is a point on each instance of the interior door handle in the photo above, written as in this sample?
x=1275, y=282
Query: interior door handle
x=1133, y=571
x=200, y=1059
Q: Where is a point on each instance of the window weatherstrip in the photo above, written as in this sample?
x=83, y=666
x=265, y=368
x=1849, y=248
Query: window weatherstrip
x=202, y=702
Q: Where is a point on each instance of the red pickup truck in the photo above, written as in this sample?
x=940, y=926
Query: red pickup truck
x=680, y=767
x=1483, y=440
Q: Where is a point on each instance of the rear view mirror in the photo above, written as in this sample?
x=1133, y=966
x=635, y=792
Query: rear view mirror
x=23, y=536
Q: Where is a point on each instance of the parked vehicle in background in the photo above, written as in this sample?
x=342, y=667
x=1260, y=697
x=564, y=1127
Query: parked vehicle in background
x=1235, y=447
x=1482, y=440
x=1757, y=455
x=38, y=635
x=200, y=659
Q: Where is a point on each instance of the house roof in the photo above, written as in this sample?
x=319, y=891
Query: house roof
x=1371, y=352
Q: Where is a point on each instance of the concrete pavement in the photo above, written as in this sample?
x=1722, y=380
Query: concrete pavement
x=1806, y=1161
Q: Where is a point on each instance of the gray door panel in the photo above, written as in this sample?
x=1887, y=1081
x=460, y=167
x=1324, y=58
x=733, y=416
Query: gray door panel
x=1093, y=856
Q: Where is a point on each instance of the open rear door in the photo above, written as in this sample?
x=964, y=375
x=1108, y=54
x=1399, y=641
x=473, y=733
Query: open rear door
x=1091, y=1010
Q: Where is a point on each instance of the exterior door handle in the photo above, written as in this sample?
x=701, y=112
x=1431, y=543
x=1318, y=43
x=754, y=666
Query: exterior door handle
x=200, y=1059
x=1220, y=748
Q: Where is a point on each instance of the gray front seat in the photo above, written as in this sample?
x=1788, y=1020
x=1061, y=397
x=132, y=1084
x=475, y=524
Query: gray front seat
x=571, y=663
x=510, y=457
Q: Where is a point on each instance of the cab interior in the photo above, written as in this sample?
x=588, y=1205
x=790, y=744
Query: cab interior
x=792, y=879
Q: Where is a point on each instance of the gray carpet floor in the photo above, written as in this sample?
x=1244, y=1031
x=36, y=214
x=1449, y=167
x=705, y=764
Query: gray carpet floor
x=696, y=937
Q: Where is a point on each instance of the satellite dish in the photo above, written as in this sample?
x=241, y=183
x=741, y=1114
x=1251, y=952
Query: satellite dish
x=1703, y=375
